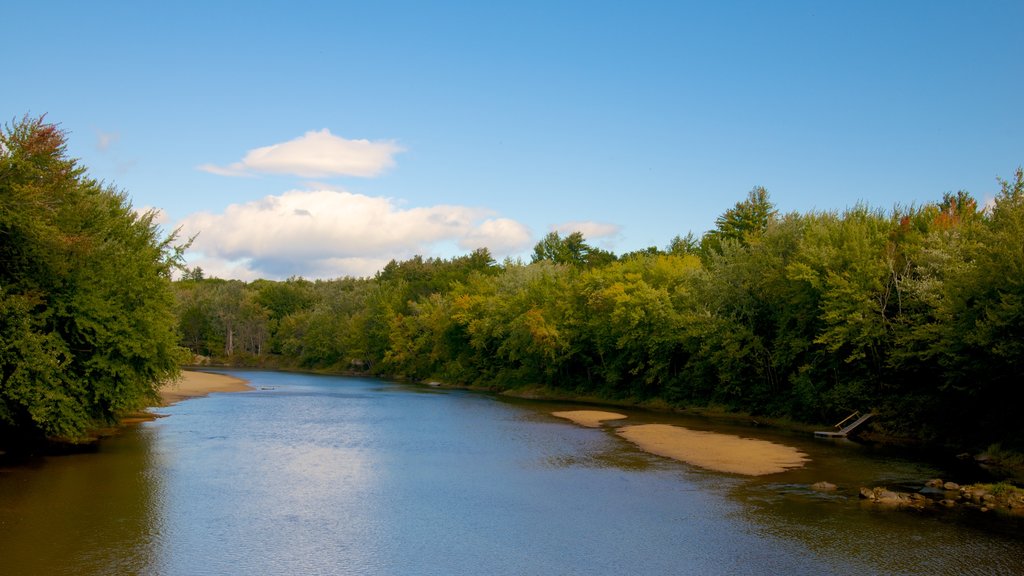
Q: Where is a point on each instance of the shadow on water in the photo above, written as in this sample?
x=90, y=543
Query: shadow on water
x=86, y=513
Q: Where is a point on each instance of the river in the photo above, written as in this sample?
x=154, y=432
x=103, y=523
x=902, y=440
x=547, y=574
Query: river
x=335, y=475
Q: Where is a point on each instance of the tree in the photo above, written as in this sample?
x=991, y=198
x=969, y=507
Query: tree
x=683, y=245
x=87, y=326
x=743, y=222
x=572, y=250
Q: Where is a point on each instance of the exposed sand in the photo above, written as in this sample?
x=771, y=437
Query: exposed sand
x=194, y=384
x=714, y=451
x=591, y=418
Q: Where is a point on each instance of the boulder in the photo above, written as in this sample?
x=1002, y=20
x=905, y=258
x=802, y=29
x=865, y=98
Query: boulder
x=824, y=486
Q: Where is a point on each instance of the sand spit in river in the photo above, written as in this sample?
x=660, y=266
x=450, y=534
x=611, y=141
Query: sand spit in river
x=714, y=451
x=589, y=418
x=711, y=450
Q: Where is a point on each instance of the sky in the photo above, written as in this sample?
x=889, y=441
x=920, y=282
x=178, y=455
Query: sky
x=324, y=139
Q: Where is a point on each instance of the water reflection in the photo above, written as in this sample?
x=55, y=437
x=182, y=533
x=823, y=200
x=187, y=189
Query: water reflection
x=348, y=476
x=247, y=479
x=92, y=513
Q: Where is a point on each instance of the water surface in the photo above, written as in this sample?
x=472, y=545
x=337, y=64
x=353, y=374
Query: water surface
x=330, y=475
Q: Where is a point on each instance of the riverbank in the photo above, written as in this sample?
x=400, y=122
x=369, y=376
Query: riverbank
x=193, y=384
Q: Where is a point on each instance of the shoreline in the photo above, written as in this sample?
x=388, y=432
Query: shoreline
x=193, y=384
x=190, y=384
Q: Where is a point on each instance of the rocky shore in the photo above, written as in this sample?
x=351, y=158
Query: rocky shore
x=1001, y=498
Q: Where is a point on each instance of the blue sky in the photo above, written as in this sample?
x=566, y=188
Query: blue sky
x=323, y=139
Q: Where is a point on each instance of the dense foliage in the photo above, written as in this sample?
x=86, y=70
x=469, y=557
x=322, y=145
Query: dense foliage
x=917, y=314
x=87, y=325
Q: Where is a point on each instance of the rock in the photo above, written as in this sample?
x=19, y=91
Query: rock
x=883, y=494
x=951, y=486
x=824, y=486
x=887, y=498
x=948, y=503
x=934, y=483
x=975, y=495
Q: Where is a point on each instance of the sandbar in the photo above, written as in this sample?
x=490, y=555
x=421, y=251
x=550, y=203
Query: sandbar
x=714, y=451
x=194, y=384
x=590, y=418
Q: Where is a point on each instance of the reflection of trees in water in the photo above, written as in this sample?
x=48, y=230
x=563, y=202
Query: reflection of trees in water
x=92, y=513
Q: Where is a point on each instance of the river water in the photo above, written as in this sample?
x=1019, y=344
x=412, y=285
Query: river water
x=333, y=475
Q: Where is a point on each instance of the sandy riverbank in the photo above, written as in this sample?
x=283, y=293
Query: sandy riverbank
x=195, y=384
x=589, y=418
x=711, y=450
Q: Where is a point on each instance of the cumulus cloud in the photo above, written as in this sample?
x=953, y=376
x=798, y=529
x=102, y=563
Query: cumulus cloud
x=316, y=154
x=330, y=233
x=501, y=236
x=590, y=230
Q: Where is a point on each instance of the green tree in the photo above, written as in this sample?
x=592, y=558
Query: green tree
x=87, y=330
x=572, y=250
x=743, y=222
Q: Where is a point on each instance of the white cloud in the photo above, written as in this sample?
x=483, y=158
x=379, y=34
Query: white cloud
x=235, y=169
x=316, y=154
x=219, y=268
x=590, y=230
x=502, y=236
x=989, y=204
x=329, y=233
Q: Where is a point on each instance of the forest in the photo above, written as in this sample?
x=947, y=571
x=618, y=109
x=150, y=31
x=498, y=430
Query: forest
x=916, y=313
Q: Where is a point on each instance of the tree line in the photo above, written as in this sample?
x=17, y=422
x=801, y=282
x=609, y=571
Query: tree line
x=916, y=313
